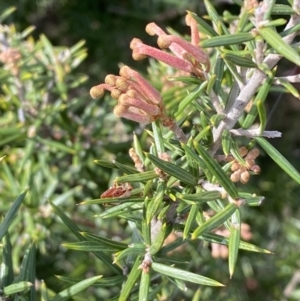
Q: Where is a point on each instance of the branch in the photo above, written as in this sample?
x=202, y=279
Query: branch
x=252, y=86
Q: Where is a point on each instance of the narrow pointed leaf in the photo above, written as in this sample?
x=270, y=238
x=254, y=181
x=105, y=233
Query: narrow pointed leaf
x=44, y=291
x=131, y=280
x=77, y=232
x=193, y=166
x=118, y=210
x=184, y=275
x=125, y=168
x=290, y=87
x=219, y=71
x=290, y=30
x=110, y=281
x=279, y=159
x=56, y=145
x=216, y=221
x=228, y=39
x=262, y=116
x=281, y=9
x=206, y=131
x=138, y=148
x=144, y=287
x=158, y=139
x=159, y=239
x=211, y=83
x=234, y=241
x=261, y=96
x=6, y=267
x=178, y=283
x=77, y=47
x=251, y=199
x=132, y=250
x=90, y=246
x=113, y=201
x=27, y=270
x=10, y=215
x=156, y=202
x=226, y=142
x=234, y=72
x=190, y=220
x=217, y=171
x=184, y=103
x=146, y=228
x=215, y=206
x=274, y=23
x=173, y=170
x=200, y=197
x=239, y=60
x=6, y=13
x=17, y=288
x=237, y=156
x=243, y=20
x=27, y=31
x=281, y=47
x=137, y=177
x=215, y=18
x=171, y=246
x=204, y=27
x=104, y=241
x=105, y=163
x=189, y=151
x=75, y=289
x=219, y=239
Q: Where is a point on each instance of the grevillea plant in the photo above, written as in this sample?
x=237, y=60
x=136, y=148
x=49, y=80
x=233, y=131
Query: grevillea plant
x=205, y=125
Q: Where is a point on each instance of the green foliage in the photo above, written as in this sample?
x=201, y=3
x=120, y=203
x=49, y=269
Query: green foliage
x=46, y=148
x=63, y=148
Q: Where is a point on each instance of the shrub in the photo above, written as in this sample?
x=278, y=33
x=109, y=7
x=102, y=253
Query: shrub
x=187, y=180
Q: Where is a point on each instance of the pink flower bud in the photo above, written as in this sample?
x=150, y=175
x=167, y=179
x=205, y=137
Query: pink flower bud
x=150, y=93
x=137, y=99
x=98, y=91
x=110, y=80
x=126, y=100
x=187, y=56
x=199, y=55
x=133, y=114
x=171, y=60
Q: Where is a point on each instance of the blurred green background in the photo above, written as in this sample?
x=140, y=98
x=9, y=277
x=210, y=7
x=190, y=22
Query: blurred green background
x=108, y=27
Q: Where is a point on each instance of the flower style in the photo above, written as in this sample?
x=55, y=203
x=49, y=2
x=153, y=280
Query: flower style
x=137, y=99
x=188, y=57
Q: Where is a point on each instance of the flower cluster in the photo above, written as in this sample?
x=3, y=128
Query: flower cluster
x=241, y=172
x=137, y=99
x=187, y=56
x=11, y=57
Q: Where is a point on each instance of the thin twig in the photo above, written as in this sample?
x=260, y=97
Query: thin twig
x=291, y=79
x=255, y=133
